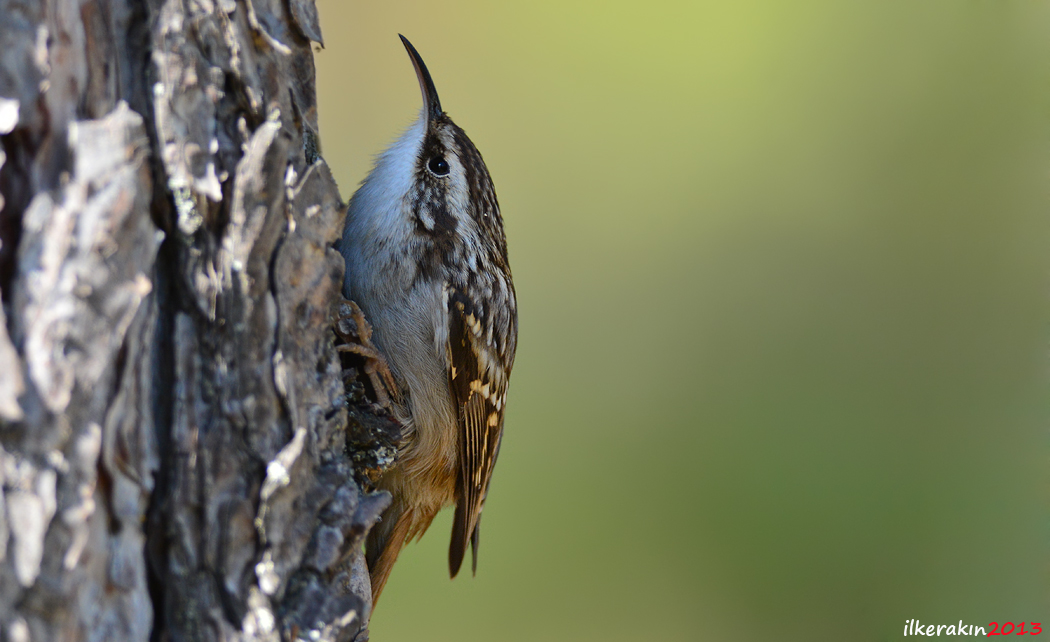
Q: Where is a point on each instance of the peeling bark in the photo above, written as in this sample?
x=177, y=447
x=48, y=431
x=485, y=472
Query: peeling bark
x=175, y=455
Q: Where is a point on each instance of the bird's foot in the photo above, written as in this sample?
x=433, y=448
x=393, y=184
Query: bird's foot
x=352, y=328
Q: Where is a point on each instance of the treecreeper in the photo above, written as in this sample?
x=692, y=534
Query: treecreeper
x=426, y=261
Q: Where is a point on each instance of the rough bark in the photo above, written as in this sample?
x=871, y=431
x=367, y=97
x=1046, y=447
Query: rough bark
x=173, y=414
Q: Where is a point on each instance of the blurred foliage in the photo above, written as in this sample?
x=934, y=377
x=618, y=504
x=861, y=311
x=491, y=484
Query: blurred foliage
x=782, y=274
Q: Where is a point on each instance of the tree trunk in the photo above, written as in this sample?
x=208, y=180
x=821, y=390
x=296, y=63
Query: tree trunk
x=173, y=415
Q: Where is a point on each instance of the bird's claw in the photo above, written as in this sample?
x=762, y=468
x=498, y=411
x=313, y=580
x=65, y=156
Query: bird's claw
x=359, y=341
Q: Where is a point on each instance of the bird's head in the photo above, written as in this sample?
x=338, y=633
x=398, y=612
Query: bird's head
x=436, y=175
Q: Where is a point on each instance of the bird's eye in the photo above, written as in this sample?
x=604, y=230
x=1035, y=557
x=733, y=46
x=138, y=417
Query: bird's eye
x=438, y=166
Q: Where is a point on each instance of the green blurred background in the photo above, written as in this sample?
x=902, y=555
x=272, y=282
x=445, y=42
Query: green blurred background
x=783, y=280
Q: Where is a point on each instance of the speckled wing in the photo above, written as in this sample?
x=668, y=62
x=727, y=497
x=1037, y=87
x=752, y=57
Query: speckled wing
x=479, y=370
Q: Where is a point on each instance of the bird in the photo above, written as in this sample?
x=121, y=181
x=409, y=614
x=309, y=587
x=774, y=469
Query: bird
x=426, y=261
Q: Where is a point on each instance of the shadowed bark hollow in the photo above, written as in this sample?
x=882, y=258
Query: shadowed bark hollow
x=180, y=456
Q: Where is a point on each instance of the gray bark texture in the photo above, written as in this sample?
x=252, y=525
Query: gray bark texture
x=180, y=457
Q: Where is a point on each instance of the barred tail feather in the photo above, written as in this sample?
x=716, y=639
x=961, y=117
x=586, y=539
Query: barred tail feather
x=386, y=540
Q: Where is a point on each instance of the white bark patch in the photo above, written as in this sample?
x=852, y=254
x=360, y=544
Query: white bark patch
x=29, y=513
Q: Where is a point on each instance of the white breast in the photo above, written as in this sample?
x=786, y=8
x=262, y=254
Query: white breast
x=407, y=315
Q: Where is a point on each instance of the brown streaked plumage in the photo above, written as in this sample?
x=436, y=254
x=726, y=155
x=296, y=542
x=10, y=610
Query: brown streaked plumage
x=427, y=262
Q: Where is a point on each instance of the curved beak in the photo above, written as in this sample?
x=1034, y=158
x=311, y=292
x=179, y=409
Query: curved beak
x=431, y=104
